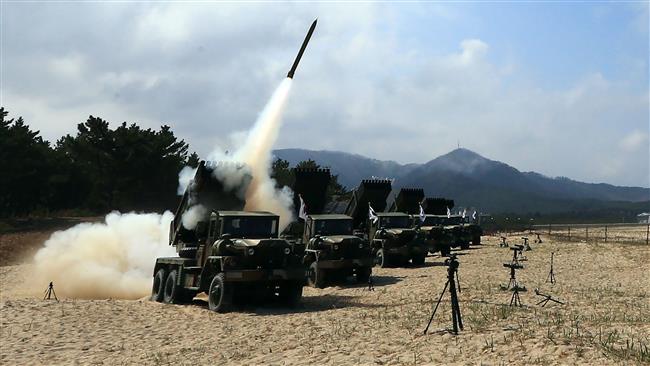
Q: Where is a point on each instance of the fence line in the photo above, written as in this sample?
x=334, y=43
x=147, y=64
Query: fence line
x=629, y=232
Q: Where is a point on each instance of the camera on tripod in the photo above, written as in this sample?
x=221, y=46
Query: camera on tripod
x=513, y=265
x=517, y=254
x=452, y=283
x=452, y=262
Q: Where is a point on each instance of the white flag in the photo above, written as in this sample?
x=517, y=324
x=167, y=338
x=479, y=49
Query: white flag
x=464, y=212
x=474, y=216
x=372, y=215
x=303, y=209
x=422, y=215
x=448, y=212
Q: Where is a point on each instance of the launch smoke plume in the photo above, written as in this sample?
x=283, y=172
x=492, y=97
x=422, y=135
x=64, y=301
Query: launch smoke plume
x=113, y=259
x=255, y=152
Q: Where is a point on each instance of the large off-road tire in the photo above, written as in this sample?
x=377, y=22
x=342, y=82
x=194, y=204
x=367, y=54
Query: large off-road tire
x=476, y=240
x=172, y=293
x=381, y=259
x=315, y=276
x=158, y=288
x=290, y=293
x=220, y=294
x=363, y=274
x=418, y=260
x=464, y=245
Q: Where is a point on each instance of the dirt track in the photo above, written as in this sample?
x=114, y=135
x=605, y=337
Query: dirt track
x=605, y=286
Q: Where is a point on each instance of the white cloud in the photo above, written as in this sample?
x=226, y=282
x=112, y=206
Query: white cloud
x=473, y=49
x=362, y=86
x=634, y=141
x=69, y=66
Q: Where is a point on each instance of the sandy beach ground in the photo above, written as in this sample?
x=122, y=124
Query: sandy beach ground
x=605, y=318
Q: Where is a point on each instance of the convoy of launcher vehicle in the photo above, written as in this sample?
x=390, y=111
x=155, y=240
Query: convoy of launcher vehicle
x=238, y=257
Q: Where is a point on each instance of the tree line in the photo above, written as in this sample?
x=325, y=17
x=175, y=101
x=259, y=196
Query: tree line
x=98, y=169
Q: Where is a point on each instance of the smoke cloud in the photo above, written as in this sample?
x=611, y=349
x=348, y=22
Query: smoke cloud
x=113, y=259
x=185, y=178
x=193, y=215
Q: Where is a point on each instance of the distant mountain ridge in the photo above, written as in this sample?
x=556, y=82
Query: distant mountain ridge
x=473, y=180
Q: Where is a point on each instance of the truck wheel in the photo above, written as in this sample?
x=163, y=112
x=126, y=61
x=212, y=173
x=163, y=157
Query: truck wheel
x=315, y=276
x=477, y=240
x=290, y=293
x=464, y=246
x=445, y=250
x=380, y=259
x=363, y=274
x=419, y=260
x=158, y=288
x=220, y=294
x=172, y=291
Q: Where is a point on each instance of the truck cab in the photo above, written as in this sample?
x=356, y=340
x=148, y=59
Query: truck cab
x=332, y=252
x=443, y=233
x=394, y=241
x=438, y=236
x=232, y=257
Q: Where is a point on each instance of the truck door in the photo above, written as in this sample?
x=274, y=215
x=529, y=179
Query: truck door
x=307, y=234
x=206, y=246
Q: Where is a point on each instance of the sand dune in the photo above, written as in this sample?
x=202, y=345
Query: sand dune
x=606, y=288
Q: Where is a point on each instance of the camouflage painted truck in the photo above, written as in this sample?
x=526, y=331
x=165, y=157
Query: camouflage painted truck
x=474, y=231
x=392, y=239
x=229, y=254
x=331, y=251
x=439, y=237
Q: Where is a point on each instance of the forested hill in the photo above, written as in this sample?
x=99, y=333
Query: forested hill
x=473, y=180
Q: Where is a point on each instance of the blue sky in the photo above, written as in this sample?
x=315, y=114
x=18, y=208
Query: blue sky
x=557, y=88
x=557, y=43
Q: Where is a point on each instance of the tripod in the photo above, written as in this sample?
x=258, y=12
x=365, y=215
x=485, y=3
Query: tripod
x=515, y=295
x=526, y=245
x=514, y=266
x=49, y=292
x=513, y=285
x=452, y=279
x=517, y=254
x=546, y=298
x=551, y=276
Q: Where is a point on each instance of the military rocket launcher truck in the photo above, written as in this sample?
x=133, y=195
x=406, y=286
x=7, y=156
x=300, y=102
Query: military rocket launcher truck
x=445, y=232
x=391, y=236
x=230, y=254
x=331, y=251
x=439, y=236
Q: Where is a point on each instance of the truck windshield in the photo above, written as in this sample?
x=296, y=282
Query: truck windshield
x=250, y=227
x=454, y=220
x=397, y=222
x=333, y=227
x=433, y=220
